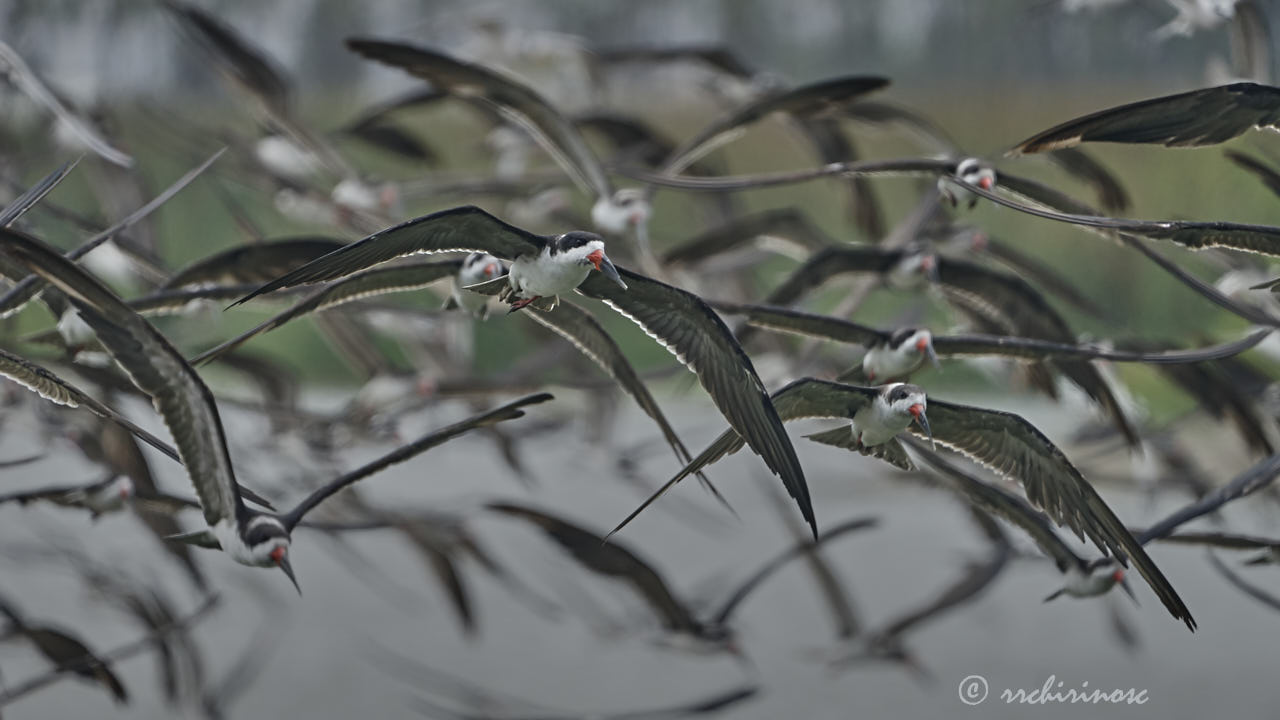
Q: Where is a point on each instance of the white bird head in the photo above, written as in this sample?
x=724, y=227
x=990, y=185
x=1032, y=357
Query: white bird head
x=479, y=267
x=267, y=541
x=585, y=248
x=969, y=171
x=916, y=341
x=122, y=487
x=907, y=399
x=627, y=208
x=973, y=171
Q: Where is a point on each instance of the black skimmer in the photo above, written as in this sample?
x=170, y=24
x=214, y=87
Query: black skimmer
x=1000, y=303
x=1259, y=239
x=1082, y=578
x=186, y=405
x=544, y=267
x=15, y=71
x=614, y=211
x=893, y=355
x=955, y=175
x=1196, y=235
x=568, y=321
x=614, y=560
x=1190, y=119
x=63, y=650
x=1111, y=194
x=1004, y=442
x=103, y=496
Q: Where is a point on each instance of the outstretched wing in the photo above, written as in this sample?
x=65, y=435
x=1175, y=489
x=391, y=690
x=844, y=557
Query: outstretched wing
x=54, y=389
x=466, y=228
x=378, y=281
x=686, y=326
x=155, y=366
x=510, y=411
x=1016, y=449
x=514, y=100
x=1190, y=119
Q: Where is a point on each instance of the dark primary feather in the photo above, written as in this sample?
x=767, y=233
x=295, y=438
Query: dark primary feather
x=831, y=146
x=53, y=388
x=813, y=99
x=24, y=202
x=1264, y=172
x=717, y=57
x=18, y=295
x=1013, y=303
x=789, y=223
x=1247, y=588
x=580, y=328
x=246, y=64
x=802, y=547
x=1190, y=119
x=1001, y=503
x=517, y=102
x=154, y=365
x=1014, y=448
x=65, y=651
x=255, y=262
x=845, y=331
x=1111, y=194
x=510, y=411
x=612, y=560
x=684, y=324
x=1255, y=478
x=466, y=228
x=368, y=283
x=804, y=398
x=830, y=262
x=976, y=578
x=385, y=136
x=1260, y=239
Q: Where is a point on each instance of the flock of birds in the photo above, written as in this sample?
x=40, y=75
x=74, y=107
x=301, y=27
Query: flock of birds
x=110, y=345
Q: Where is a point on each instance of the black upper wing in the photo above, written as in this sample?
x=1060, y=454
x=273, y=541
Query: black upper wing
x=1199, y=117
x=465, y=228
x=691, y=330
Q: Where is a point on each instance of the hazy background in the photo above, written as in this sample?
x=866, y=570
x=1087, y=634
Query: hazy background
x=991, y=73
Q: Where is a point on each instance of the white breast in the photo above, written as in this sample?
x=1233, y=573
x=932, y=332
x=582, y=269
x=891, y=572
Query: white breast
x=544, y=275
x=1080, y=585
x=878, y=424
x=882, y=363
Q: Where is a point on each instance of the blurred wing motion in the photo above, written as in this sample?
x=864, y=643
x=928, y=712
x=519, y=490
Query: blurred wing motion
x=1190, y=119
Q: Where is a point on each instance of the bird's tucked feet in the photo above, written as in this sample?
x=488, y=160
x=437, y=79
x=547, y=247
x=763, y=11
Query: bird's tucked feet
x=521, y=303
